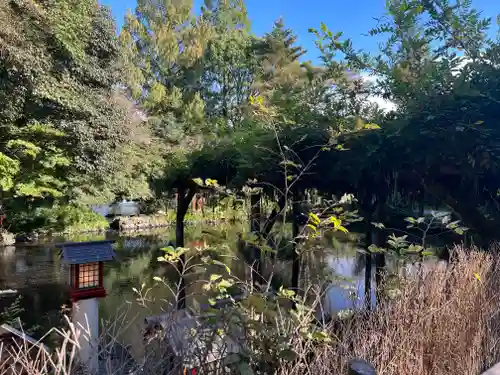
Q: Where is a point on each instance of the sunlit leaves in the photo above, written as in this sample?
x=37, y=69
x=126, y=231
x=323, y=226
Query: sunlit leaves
x=371, y=126
x=9, y=168
x=20, y=146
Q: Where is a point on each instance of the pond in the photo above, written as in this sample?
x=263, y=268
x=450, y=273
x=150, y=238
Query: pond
x=36, y=272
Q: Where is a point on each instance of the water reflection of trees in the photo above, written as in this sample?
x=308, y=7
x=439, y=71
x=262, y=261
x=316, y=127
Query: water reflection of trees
x=45, y=288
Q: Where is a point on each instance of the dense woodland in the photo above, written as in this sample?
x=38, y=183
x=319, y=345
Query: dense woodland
x=89, y=115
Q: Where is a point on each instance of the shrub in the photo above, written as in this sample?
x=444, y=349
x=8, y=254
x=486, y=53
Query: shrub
x=59, y=218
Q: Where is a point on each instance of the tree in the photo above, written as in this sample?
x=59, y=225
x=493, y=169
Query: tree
x=229, y=64
x=58, y=116
x=440, y=70
x=162, y=44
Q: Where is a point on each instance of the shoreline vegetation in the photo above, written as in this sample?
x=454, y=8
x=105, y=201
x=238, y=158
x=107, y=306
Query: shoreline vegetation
x=439, y=320
x=81, y=220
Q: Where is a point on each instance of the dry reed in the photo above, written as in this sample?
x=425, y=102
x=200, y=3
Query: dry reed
x=445, y=321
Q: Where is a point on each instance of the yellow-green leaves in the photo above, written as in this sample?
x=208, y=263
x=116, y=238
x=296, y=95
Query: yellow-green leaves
x=258, y=101
x=456, y=227
x=314, y=219
x=71, y=21
x=334, y=222
x=219, y=285
x=209, y=182
x=320, y=337
x=286, y=293
x=156, y=95
x=9, y=168
x=20, y=146
x=374, y=249
x=194, y=110
x=371, y=126
x=172, y=254
x=337, y=224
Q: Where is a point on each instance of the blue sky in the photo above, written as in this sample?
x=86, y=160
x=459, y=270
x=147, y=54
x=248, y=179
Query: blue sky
x=353, y=17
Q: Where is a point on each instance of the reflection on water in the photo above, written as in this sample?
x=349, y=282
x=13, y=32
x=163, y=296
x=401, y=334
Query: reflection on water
x=37, y=273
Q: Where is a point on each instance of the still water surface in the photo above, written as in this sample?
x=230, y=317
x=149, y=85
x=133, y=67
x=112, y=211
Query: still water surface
x=37, y=273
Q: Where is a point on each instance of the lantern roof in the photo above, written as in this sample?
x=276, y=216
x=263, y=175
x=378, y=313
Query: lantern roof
x=87, y=252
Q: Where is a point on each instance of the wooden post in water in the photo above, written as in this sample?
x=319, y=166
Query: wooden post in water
x=361, y=367
x=368, y=255
x=255, y=228
x=295, y=234
x=184, y=197
x=376, y=240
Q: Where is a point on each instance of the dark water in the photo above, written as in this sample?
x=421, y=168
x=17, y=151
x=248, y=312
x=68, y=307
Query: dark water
x=37, y=273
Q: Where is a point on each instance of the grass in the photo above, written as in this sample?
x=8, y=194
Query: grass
x=443, y=320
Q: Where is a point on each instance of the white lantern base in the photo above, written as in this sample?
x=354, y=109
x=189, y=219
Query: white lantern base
x=86, y=321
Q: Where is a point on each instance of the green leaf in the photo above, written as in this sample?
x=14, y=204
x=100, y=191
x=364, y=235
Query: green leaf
x=286, y=293
x=225, y=284
x=371, y=126
x=375, y=249
x=314, y=218
x=412, y=248
x=322, y=337
x=312, y=227
x=219, y=263
x=214, y=277
x=198, y=181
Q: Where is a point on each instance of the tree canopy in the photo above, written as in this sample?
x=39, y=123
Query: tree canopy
x=182, y=94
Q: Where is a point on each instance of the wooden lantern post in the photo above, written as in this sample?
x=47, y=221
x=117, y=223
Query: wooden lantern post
x=86, y=268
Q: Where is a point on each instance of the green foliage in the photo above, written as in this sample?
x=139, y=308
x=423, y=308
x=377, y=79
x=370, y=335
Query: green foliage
x=59, y=219
x=59, y=68
x=12, y=316
x=60, y=116
x=437, y=67
x=426, y=228
x=268, y=322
